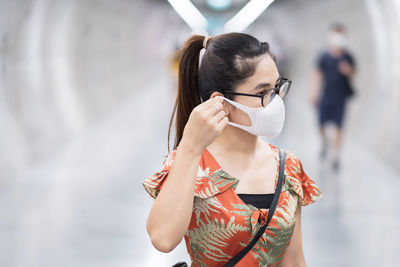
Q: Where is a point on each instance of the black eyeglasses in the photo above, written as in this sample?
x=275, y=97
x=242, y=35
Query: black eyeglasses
x=266, y=96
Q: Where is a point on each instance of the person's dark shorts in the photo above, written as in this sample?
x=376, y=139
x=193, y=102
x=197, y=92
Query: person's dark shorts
x=332, y=112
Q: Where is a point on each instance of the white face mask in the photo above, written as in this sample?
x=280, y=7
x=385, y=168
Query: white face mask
x=265, y=121
x=336, y=40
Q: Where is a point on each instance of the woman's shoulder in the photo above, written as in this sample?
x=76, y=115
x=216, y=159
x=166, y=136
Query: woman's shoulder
x=290, y=157
x=298, y=181
x=293, y=164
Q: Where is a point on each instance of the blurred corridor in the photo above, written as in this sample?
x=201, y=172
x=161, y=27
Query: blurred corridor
x=86, y=93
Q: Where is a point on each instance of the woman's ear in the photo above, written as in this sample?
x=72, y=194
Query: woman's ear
x=224, y=103
x=216, y=93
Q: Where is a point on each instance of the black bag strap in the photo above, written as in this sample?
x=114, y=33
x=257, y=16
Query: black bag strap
x=271, y=211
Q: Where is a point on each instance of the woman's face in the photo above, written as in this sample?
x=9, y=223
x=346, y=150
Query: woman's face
x=265, y=77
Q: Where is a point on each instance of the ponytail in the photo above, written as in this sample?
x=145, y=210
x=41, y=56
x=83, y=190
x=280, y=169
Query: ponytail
x=188, y=96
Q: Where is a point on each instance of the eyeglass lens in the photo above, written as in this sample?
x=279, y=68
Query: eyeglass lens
x=269, y=96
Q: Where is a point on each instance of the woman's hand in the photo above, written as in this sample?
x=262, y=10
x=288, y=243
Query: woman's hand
x=206, y=122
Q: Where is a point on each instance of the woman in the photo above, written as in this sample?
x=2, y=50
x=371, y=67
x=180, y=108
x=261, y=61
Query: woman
x=217, y=184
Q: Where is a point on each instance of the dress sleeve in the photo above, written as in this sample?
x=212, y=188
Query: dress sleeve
x=154, y=183
x=299, y=181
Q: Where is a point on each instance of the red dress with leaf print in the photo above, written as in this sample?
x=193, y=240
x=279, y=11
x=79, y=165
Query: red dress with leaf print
x=222, y=224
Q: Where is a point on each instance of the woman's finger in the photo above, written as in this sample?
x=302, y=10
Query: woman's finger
x=210, y=102
x=219, y=115
x=214, y=109
x=222, y=124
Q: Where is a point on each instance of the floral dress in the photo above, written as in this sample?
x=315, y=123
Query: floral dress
x=222, y=224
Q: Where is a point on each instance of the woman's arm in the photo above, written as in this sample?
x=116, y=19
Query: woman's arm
x=294, y=256
x=170, y=214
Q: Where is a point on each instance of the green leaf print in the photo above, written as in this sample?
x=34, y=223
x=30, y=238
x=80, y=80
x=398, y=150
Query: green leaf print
x=209, y=237
x=244, y=210
x=278, y=244
x=221, y=178
x=278, y=241
x=205, y=206
x=261, y=255
x=197, y=257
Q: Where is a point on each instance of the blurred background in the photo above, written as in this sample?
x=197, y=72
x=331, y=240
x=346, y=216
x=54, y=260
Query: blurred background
x=86, y=92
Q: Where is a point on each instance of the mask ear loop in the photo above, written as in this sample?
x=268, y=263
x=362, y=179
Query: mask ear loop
x=250, y=112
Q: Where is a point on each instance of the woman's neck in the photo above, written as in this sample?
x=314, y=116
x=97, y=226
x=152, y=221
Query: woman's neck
x=236, y=141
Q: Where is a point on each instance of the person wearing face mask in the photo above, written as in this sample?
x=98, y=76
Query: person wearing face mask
x=332, y=88
x=217, y=185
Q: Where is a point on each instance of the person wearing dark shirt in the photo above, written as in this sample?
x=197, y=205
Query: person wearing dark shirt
x=335, y=68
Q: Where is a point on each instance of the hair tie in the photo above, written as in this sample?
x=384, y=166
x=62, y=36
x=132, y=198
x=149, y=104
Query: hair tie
x=205, y=41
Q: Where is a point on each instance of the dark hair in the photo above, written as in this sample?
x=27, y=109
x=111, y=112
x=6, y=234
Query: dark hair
x=228, y=61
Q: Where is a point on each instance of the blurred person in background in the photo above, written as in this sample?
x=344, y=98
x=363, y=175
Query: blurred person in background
x=225, y=100
x=332, y=87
